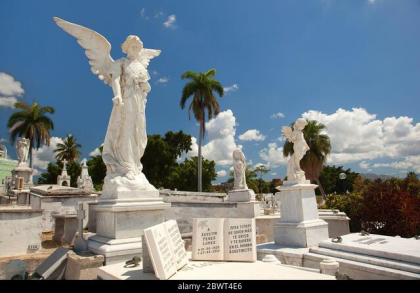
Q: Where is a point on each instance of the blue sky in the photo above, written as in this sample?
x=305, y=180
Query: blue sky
x=353, y=65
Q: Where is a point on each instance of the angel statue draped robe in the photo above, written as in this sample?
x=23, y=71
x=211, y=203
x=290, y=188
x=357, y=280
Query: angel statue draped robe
x=126, y=138
x=239, y=167
x=300, y=147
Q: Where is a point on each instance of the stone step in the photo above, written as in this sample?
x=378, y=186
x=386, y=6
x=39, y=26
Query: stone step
x=368, y=259
x=361, y=271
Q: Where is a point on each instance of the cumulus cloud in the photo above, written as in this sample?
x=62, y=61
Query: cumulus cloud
x=364, y=165
x=162, y=80
x=46, y=154
x=7, y=102
x=252, y=134
x=221, y=142
x=232, y=88
x=9, y=90
x=95, y=152
x=170, y=23
x=277, y=115
x=221, y=173
x=273, y=155
x=3, y=140
x=9, y=86
x=357, y=135
x=412, y=162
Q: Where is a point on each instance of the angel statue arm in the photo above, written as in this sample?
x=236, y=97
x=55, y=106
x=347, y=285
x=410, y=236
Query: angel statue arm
x=287, y=133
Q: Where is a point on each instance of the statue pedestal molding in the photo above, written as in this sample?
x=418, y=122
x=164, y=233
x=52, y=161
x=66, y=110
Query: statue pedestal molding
x=120, y=223
x=299, y=225
x=26, y=173
x=241, y=195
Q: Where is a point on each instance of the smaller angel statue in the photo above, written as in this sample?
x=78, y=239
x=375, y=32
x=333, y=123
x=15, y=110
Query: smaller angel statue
x=239, y=167
x=300, y=147
x=22, y=150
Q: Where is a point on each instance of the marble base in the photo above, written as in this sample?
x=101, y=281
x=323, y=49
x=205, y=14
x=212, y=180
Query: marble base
x=120, y=223
x=241, y=195
x=299, y=225
x=303, y=234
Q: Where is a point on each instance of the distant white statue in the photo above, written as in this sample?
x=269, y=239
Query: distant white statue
x=126, y=138
x=22, y=151
x=239, y=168
x=300, y=147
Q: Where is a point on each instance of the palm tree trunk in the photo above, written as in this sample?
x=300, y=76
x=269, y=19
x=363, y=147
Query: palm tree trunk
x=31, y=148
x=200, y=160
x=324, y=196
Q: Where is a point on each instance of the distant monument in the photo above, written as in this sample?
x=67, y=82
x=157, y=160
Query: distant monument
x=22, y=174
x=128, y=199
x=299, y=225
x=240, y=192
x=6, y=167
x=84, y=180
x=64, y=179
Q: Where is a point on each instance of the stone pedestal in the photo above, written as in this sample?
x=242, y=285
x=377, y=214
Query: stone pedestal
x=241, y=195
x=82, y=266
x=120, y=221
x=24, y=172
x=300, y=225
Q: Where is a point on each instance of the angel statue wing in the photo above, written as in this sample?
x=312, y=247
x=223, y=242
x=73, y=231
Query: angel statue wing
x=287, y=132
x=97, y=47
x=146, y=55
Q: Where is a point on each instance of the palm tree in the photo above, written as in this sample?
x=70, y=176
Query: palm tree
x=68, y=149
x=201, y=87
x=31, y=123
x=315, y=158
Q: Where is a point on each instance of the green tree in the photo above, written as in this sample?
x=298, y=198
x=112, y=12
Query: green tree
x=160, y=156
x=53, y=170
x=97, y=169
x=68, y=149
x=331, y=182
x=262, y=170
x=315, y=158
x=201, y=87
x=184, y=176
x=32, y=123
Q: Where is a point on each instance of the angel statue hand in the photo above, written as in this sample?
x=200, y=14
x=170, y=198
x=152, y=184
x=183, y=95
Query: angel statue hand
x=118, y=101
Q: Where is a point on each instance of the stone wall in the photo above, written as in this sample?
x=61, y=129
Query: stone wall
x=20, y=229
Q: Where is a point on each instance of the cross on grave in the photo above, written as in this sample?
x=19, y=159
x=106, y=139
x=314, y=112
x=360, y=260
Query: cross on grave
x=80, y=243
x=64, y=164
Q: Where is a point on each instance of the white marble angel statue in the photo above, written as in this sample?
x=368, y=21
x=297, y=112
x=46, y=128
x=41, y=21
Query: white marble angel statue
x=22, y=150
x=126, y=138
x=239, y=167
x=300, y=147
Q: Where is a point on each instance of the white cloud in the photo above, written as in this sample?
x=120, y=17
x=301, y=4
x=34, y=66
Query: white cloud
x=162, y=80
x=364, y=165
x=170, y=23
x=273, y=155
x=95, y=152
x=273, y=174
x=277, y=115
x=221, y=142
x=3, y=140
x=9, y=86
x=372, y=1
x=408, y=162
x=7, y=102
x=221, y=173
x=155, y=72
x=252, y=134
x=232, y=88
x=357, y=135
x=142, y=12
x=45, y=154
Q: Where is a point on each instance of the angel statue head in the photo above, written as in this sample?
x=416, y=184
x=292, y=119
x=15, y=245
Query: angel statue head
x=300, y=124
x=132, y=46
